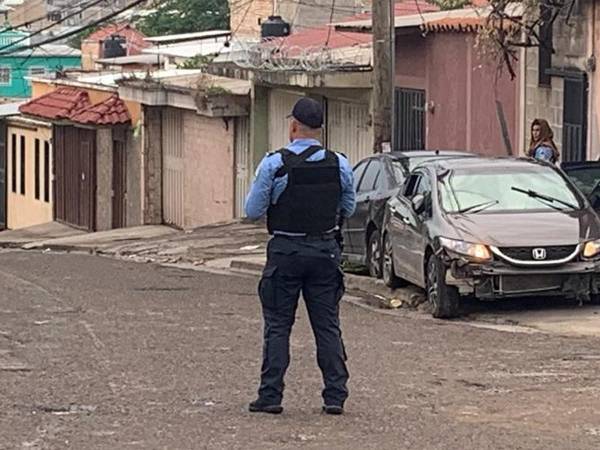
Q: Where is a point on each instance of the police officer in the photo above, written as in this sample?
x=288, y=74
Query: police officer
x=302, y=189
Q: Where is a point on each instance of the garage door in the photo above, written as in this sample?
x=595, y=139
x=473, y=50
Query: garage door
x=173, y=167
x=242, y=163
x=348, y=129
x=280, y=106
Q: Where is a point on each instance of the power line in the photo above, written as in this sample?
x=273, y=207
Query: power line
x=63, y=19
x=77, y=30
x=330, y=20
x=27, y=23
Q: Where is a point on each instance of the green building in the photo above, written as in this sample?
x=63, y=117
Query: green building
x=16, y=66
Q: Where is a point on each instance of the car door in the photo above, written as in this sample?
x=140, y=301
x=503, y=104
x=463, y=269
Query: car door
x=409, y=238
x=366, y=194
x=358, y=173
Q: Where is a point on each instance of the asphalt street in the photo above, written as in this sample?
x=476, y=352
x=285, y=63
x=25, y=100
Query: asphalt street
x=97, y=353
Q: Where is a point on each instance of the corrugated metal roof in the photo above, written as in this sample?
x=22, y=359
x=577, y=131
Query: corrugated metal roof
x=170, y=39
x=418, y=20
x=46, y=51
x=134, y=59
x=10, y=109
x=191, y=49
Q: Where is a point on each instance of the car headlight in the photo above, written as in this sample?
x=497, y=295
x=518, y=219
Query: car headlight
x=475, y=251
x=591, y=249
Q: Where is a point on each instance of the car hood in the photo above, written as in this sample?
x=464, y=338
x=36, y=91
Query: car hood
x=526, y=229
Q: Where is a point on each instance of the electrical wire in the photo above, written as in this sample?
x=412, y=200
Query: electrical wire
x=30, y=22
x=330, y=21
x=63, y=19
x=77, y=30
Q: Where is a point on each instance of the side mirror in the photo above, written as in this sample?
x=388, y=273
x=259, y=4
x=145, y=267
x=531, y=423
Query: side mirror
x=418, y=203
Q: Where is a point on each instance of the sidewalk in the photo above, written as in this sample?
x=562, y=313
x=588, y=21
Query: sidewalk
x=232, y=246
x=57, y=236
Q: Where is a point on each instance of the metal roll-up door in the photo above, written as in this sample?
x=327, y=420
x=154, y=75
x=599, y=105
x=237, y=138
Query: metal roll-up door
x=348, y=129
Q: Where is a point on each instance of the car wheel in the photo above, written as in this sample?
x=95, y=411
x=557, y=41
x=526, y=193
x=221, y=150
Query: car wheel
x=444, y=299
x=374, y=255
x=388, y=272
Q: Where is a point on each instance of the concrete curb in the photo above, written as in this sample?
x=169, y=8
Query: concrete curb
x=29, y=246
x=383, y=296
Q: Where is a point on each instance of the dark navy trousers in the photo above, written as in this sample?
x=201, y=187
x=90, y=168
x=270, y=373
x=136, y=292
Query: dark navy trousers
x=310, y=267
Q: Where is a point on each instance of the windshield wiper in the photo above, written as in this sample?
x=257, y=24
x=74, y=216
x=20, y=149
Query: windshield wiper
x=537, y=195
x=478, y=207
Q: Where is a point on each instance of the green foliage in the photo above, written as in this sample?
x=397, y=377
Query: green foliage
x=196, y=62
x=446, y=5
x=76, y=40
x=185, y=16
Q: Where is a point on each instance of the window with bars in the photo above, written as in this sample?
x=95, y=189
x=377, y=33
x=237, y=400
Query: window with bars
x=4, y=76
x=36, y=169
x=13, y=160
x=546, y=46
x=22, y=165
x=46, y=171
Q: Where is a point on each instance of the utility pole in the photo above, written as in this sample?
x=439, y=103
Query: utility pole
x=383, y=73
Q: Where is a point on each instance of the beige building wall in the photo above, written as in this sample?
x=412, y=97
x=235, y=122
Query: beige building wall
x=570, y=41
x=209, y=170
x=29, y=10
x=104, y=168
x=246, y=16
x=23, y=208
x=593, y=46
x=541, y=102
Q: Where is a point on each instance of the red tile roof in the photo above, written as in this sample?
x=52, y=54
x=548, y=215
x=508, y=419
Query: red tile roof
x=322, y=37
x=111, y=111
x=74, y=104
x=458, y=24
x=58, y=104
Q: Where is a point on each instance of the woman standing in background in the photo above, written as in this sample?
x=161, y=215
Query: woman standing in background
x=542, y=146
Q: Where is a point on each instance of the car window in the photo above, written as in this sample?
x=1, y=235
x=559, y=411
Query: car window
x=585, y=178
x=358, y=173
x=367, y=184
x=411, y=186
x=424, y=185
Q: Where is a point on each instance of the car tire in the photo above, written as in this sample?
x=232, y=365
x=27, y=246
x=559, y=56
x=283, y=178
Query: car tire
x=388, y=272
x=375, y=255
x=444, y=299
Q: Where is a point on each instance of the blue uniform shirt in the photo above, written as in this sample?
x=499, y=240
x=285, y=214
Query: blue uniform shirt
x=266, y=190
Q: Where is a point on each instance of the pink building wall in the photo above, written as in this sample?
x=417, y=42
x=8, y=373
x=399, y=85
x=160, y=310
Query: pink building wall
x=461, y=91
x=209, y=174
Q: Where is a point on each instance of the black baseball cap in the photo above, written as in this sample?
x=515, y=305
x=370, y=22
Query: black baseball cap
x=308, y=112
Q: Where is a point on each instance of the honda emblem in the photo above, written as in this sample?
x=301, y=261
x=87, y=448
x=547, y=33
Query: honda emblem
x=538, y=254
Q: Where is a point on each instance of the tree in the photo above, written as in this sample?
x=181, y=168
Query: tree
x=446, y=5
x=185, y=16
x=78, y=39
x=511, y=26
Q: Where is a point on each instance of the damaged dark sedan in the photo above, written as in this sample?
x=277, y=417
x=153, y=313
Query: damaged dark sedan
x=492, y=229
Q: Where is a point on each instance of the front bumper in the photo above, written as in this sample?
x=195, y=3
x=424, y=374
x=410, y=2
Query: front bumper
x=500, y=280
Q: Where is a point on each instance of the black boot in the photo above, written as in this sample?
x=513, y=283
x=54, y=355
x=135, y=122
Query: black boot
x=263, y=407
x=334, y=410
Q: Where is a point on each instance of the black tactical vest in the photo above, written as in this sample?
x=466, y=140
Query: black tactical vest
x=311, y=198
